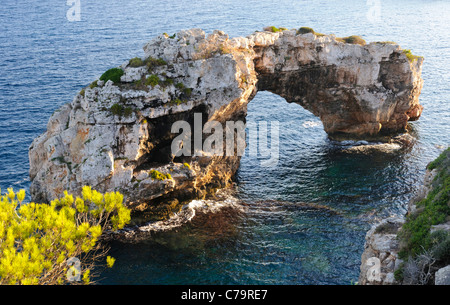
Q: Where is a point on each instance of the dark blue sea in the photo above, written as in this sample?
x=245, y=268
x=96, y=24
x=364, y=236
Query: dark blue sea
x=305, y=219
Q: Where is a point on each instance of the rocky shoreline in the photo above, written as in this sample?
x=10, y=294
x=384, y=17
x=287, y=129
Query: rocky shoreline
x=381, y=263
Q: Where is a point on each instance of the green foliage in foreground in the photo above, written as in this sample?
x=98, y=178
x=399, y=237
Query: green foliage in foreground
x=113, y=74
x=439, y=161
x=37, y=240
x=432, y=210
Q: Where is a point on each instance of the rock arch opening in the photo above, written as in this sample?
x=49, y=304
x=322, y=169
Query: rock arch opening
x=358, y=91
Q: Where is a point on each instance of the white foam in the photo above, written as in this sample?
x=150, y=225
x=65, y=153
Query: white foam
x=310, y=124
x=188, y=212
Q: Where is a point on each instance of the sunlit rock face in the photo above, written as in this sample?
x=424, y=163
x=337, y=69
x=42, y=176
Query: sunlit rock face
x=356, y=90
x=113, y=136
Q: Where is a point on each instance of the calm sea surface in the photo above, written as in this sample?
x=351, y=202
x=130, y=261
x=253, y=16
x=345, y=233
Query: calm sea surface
x=281, y=237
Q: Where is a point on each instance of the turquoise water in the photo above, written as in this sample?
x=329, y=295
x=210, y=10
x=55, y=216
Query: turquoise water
x=304, y=221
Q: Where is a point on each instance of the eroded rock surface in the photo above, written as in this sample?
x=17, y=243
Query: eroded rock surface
x=114, y=136
x=380, y=260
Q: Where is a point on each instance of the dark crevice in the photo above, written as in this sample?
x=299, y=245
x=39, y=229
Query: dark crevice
x=159, y=150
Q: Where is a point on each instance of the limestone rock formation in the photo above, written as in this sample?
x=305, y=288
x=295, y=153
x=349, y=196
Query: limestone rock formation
x=386, y=240
x=355, y=90
x=116, y=136
x=380, y=260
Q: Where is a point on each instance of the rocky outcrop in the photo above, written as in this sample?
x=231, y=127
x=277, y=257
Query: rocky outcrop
x=117, y=136
x=380, y=260
x=355, y=90
x=443, y=276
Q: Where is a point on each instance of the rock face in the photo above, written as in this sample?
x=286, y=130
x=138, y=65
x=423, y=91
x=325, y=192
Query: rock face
x=355, y=90
x=443, y=276
x=384, y=241
x=380, y=259
x=118, y=137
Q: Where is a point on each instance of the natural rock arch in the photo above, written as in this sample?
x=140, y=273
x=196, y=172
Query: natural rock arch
x=114, y=136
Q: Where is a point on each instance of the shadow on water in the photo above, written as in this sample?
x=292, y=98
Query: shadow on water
x=269, y=243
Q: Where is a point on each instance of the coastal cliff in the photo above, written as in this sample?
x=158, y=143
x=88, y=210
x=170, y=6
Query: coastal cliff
x=116, y=134
x=415, y=249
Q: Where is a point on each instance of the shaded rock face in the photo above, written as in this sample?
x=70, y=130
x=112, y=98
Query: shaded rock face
x=114, y=136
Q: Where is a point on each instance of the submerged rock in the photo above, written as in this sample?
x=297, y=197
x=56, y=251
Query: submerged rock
x=117, y=136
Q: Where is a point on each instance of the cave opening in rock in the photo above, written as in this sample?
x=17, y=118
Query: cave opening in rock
x=158, y=146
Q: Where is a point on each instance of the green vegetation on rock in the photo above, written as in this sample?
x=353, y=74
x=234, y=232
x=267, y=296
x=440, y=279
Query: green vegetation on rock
x=151, y=62
x=162, y=210
x=306, y=30
x=152, y=80
x=177, y=101
x=411, y=57
x=432, y=210
x=136, y=62
x=438, y=162
x=184, y=89
x=354, y=39
x=93, y=84
x=156, y=175
x=171, y=37
x=274, y=29
x=179, y=86
x=120, y=110
x=113, y=75
x=386, y=42
x=167, y=82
